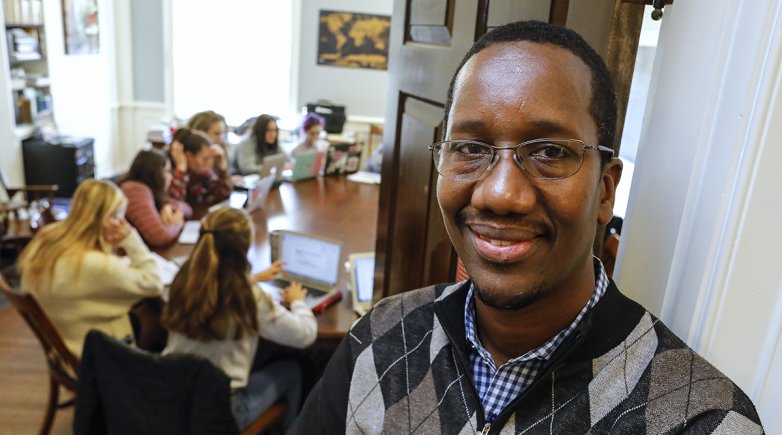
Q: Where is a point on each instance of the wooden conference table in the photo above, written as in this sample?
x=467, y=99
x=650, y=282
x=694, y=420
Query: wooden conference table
x=332, y=207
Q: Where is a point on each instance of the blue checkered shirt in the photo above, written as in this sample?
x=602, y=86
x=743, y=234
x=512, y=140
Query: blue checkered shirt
x=499, y=386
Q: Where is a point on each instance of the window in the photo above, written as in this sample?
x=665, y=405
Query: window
x=233, y=57
x=636, y=105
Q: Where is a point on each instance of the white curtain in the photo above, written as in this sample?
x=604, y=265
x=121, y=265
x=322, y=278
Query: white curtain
x=231, y=56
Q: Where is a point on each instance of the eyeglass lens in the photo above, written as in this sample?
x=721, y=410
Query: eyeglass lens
x=547, y=159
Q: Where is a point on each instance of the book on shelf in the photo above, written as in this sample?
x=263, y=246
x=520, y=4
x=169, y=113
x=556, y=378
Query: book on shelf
x=23, y=11
x=25, y=56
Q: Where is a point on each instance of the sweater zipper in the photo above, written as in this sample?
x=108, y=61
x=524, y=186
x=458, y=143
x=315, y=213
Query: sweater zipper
x=486, y=429
x=565, y=351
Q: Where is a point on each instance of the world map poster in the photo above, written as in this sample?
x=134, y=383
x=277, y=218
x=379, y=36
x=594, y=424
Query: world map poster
x=353, y=40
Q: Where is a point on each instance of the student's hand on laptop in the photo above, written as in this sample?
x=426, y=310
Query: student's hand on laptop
x=292, y=293
x=270, y=273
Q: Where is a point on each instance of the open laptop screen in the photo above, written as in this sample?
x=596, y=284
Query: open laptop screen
x=364, y=270
x=310, y=258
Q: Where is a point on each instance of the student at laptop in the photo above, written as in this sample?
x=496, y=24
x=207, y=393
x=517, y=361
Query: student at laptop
x=195, y=181
x=261, y=142
x=156, y=216
x=311, y=128
x=215, y=310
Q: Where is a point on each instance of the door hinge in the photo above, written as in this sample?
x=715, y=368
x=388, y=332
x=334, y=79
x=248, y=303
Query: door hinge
x=658, y=6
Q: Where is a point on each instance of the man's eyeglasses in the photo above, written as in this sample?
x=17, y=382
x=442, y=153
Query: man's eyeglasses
x=547, y=159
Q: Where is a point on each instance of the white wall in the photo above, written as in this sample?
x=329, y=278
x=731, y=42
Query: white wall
x=10, y=147
x=83, y=86
x=701, y=241
x=361, y=91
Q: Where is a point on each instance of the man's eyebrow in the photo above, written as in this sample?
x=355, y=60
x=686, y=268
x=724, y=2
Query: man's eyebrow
x=538, y=127
x=547, y=127
x=468, y=126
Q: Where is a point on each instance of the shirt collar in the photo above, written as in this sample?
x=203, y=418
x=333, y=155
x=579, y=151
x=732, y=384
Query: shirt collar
x=544, y=351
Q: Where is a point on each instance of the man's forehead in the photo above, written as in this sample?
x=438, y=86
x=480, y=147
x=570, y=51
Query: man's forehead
x=512, y=75
x=519, y=60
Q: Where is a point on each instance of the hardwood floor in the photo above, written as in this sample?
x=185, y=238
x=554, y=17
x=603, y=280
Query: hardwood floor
x=24, y=385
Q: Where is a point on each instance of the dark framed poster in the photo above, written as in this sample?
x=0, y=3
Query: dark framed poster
x=353, y=40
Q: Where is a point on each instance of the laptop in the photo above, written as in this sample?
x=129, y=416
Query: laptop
x=309, y=260
x=273, y=164
x=362, y=280
x=248, y=196
x=342, y=159
x=305, y=166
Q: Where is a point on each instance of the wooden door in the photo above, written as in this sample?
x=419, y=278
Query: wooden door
x=428, y=40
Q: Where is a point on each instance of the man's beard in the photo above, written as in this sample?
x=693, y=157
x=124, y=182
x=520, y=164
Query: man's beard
x=509, y=302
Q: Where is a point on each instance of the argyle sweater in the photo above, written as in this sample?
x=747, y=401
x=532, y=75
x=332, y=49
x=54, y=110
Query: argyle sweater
x=403, y=369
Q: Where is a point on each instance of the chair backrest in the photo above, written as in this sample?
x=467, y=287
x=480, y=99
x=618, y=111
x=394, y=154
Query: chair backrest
x=63, y=365
x=127, y=390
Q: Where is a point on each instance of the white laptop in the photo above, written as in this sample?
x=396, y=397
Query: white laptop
x=361, y=267
x=247, y=195
x=309, y=260
x=273, y=164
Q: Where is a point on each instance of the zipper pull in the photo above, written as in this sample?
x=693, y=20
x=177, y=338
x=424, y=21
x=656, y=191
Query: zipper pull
x=486, y=429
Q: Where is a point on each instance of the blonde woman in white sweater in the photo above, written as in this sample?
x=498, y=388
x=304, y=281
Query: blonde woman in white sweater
x=73, y=271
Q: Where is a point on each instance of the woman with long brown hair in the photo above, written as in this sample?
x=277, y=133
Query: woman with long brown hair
x=216, y=311
x=262, y=142
x=158, y=217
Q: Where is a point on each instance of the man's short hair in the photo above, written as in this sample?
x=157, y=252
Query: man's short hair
x=602, y=106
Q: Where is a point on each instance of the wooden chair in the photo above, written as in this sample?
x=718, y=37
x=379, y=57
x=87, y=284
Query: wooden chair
x=174, y=393
x=63, y=366
x=268, y=422
x=16, y=229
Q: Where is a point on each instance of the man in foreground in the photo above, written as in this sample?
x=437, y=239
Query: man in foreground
x=539, y=339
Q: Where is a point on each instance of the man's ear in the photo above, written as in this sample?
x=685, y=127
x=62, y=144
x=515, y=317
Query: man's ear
x=611, y=173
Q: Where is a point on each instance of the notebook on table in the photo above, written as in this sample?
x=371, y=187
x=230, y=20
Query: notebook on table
x=309, y=260
x=362, y=280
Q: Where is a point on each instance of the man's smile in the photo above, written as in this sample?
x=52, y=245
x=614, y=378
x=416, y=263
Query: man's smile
x=504, y=244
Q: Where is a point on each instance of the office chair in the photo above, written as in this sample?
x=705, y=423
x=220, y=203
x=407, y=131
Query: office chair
x=63, y=366
x=124, y=390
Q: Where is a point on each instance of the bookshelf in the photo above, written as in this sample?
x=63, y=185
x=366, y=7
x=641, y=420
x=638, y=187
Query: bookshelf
x=26, y=47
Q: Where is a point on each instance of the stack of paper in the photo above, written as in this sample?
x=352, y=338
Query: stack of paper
x=189, y=234
x=365, y=177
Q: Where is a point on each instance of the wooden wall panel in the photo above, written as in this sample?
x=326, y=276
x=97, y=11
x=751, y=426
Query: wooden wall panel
x=409, y=251
x=429, y=21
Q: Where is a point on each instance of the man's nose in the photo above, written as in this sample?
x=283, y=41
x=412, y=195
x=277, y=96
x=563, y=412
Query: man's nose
x=506, y=188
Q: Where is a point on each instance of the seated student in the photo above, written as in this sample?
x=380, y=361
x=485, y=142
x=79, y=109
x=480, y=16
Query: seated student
x=212, y=124
x=311, y=127
x=157, y=217
x=194, y=179
x=260, y=143
x=72, y=271
x=216, y=311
